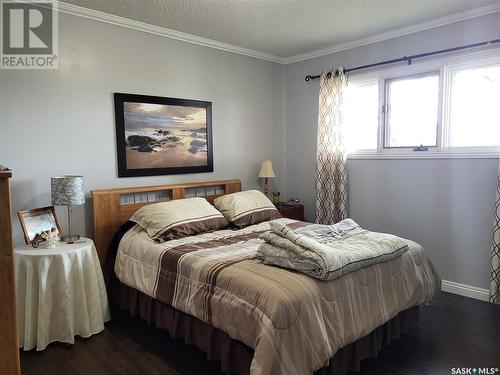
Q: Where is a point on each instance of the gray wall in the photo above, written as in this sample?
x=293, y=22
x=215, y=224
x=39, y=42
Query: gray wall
x=62, y=121
x=447, y=205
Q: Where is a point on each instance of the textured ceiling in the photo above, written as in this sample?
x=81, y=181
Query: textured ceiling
x=282, y=27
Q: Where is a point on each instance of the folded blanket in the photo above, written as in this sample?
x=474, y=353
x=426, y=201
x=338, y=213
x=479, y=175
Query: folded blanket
x=327, y=252
x=322, y=233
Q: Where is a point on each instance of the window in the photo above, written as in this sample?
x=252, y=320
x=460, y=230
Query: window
x=361, y=116
x=411, y=111
x=475, y=107
x=450, y=106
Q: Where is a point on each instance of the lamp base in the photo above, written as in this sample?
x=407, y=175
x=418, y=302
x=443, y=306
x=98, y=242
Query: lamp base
x=70, y=238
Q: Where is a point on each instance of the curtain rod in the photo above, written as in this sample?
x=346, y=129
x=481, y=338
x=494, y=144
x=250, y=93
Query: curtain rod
x=409, y=59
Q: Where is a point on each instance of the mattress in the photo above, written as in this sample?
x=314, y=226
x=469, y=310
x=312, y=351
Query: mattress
x=294, y=323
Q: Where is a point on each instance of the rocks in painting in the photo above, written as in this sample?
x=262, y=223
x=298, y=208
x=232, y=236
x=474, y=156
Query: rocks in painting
x=162, y=132
x=141, y=143
x=139, y=140
x=198, y=135
x=145, y=148
x=169, y=136
x=144, y=143
x=196, y=145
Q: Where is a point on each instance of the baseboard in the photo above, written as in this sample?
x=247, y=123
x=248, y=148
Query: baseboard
x=465, y=290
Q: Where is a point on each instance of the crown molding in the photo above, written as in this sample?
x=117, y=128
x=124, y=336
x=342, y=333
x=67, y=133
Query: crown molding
x=95, y=15
x=437, y=22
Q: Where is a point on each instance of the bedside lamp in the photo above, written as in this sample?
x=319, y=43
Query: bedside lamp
x=266, y=171
x=68, y=191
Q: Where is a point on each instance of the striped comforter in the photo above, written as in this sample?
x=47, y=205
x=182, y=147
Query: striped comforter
x=294, y=323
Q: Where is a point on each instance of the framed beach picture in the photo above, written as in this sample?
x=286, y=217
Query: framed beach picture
x=36, y=221
x=160, y=136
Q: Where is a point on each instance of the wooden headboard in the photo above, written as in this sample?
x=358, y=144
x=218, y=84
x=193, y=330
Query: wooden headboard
x=113, y=207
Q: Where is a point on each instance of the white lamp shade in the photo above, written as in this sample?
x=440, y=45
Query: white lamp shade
x=266, y=169
x=67, y=190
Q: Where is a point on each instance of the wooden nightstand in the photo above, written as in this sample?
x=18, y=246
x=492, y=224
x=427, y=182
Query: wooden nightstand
x=289, y=211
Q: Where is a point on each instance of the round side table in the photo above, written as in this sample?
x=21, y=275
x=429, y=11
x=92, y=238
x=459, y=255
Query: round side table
x=60, y=293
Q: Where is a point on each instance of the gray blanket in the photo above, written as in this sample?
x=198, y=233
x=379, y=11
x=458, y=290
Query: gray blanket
x=327, y=252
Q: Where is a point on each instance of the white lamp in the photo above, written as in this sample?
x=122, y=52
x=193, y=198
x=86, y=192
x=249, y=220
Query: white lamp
x=266, y=171
x=68, y=191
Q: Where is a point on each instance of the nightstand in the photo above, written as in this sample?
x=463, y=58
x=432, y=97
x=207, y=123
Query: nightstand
x=60, y=293
x=295, y=211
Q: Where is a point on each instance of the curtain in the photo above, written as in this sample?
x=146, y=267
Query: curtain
x=331, y=202
x=495, y=249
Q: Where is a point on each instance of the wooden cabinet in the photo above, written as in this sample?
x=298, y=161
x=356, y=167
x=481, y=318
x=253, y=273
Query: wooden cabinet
x=295, y=211
x=9, y=349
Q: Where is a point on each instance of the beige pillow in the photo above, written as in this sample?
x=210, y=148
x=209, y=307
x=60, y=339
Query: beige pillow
x=246, y=208
x=178, y=218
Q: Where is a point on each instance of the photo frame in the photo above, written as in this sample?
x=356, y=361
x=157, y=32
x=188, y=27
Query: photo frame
x=37, y=220
x=162, y=136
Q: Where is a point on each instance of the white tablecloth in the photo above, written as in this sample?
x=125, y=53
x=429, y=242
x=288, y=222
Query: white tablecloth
x=60, y=294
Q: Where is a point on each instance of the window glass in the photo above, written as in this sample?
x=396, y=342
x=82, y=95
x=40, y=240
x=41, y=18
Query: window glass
x=475, y=107
x=412, y=111
x=361, y=116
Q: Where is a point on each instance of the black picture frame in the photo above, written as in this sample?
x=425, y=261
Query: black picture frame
x=121, y=142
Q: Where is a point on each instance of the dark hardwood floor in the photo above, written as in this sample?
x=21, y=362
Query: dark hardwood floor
x=454, y=332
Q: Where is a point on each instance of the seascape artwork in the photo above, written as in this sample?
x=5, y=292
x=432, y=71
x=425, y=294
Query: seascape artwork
x=164, y=138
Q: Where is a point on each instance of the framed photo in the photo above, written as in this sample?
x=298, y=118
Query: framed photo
x=36, y=221
x=160, y=136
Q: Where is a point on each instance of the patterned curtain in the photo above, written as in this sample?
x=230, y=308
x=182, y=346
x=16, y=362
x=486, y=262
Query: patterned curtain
x=495, y=250
x=331, y=173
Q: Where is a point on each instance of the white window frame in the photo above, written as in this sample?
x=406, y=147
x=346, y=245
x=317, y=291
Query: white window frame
x=446, y=66
x=385, y=110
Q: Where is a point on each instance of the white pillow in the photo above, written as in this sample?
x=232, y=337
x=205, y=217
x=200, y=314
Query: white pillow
x=178, y=218
x=246, y=208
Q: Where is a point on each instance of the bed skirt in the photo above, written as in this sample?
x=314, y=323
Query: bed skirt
x=234, y=356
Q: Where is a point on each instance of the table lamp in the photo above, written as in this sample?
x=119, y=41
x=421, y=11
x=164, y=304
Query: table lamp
x=266, y=171
x=68, y=191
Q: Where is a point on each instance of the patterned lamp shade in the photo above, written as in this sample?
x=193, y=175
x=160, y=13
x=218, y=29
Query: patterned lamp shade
x=67, y=190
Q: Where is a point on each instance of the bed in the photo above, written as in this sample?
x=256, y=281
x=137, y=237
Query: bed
x=212, y=290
